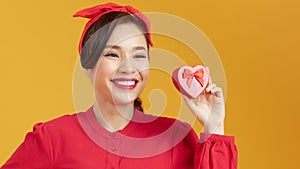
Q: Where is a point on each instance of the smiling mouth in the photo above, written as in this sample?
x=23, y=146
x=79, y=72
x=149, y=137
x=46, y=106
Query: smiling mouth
x=125, y=83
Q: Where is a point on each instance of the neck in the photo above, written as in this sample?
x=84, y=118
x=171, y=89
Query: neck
x=113, y=117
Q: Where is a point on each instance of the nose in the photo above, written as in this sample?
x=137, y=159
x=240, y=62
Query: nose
x=127, y=66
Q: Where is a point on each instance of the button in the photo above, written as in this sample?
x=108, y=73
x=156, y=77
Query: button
x=113, y=149
x=112, y=134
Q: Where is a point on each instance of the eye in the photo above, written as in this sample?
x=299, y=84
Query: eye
x=111, y=55
x=140, y=56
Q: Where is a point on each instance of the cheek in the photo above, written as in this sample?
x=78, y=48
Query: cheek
x=145, y=75
x=105, y=71
x=143, y=68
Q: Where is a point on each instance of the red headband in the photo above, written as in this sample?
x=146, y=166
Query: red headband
x=94, y=13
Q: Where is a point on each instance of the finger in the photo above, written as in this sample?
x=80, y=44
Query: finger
x=208, y=89
x=217, y=91
x=185, y=97
x=189, y=102
x=194, y=108
x=202, y=99
x=198, y=100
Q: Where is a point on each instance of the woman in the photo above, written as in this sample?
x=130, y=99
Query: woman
x=114, y=132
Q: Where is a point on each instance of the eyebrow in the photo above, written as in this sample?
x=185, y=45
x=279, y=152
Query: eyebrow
x=118, y=47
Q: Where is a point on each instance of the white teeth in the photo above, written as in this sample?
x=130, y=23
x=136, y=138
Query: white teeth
x=126, y=83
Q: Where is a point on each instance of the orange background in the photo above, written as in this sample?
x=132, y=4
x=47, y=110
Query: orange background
x=257, y=42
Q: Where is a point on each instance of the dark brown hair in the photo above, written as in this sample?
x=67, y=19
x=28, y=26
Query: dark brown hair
x=98, y=34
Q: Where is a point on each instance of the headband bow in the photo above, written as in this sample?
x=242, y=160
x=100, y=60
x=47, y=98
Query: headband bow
x=94, y=13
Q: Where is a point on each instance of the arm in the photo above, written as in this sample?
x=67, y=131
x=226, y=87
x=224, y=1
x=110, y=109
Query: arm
x=34, y=153
x=214, y=150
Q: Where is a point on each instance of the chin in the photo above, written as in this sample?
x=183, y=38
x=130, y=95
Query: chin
x=123, y=99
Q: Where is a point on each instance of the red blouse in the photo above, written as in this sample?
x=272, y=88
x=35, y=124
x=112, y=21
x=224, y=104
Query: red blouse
x=147, y=142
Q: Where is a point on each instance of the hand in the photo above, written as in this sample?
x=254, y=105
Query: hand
x=209, y=109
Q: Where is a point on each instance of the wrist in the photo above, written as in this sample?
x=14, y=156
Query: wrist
x=214, y=130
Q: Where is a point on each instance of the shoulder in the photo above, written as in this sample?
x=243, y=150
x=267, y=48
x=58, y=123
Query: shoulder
x=62, y=121
x=58, y=126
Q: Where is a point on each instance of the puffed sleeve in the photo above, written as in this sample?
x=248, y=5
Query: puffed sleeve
x=215, y=152
x=34, y=153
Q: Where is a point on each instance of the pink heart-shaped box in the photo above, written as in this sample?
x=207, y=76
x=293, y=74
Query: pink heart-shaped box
x=191, y=81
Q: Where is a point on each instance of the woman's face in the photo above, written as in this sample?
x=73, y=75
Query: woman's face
x=122, y=70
